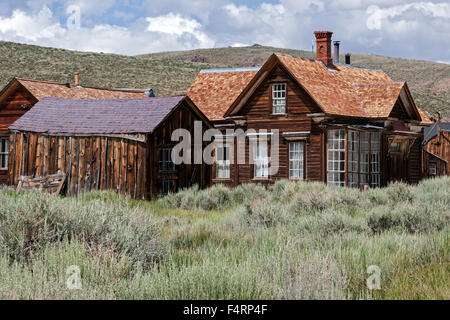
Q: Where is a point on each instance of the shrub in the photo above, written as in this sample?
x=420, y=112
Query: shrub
x=33, y=220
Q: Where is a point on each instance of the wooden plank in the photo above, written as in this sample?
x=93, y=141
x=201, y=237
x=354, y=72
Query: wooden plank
x=31, y=170
x=52, y=155
x=118, y=164
x=123, y=173
x=74, y=166
x=60, y=151
x=109, y=163
x=50, y=184
x=95, y=163
x=81, y=164
x=88, y=157
x=102, y=180
x=131, y=168
x=45, y=156
x=18, y=157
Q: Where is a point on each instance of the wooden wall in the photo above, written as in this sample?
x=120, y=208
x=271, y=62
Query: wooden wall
x=15, y=106
x=92, y=163
x=440, y=146
x=185, y=175
x=258, y=112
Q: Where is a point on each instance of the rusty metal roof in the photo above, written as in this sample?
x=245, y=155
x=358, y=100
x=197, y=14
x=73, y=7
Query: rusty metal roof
x=99, y=116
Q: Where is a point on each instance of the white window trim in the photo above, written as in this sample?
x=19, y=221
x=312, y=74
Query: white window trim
x=4, y=154
x=225, y=164
x=300, y=161
x=275, y=98
x=261, y=161
x=332, y=171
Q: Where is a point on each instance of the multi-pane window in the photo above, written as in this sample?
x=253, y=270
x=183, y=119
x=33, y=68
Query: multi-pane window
x=165, y=160
x=296, y=160
x=364, y=149
x=166, y=186
x=223, y=161
x=353, y=158
x=4, y=152
x=375, y=147
x=279, y=98
x=433, y=170
x=336, y=157
x=261, y=160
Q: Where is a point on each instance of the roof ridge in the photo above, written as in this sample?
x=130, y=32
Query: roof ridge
x=224, y=70
x=82, y=87
x=376, y=84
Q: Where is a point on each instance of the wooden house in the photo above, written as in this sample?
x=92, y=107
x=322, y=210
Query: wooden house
x=20, y=95
x=338, y=123
x=437, y=149
x=119, y=144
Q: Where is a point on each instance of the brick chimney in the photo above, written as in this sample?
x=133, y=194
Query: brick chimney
x=77, y=79
x=323, y=47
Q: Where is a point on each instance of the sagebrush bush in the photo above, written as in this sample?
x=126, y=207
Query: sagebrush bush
x=33, y=220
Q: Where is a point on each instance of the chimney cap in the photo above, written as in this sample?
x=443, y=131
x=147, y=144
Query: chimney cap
x=323, y=34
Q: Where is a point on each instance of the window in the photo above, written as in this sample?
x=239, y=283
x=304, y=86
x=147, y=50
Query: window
x=336, y=157
x=279, y=98
x=261, y=160
x=166, y=186
x=375, y=147
x=364, y=149
x=353, y=158
x=433, y=170
x=223, y=161
x=296, y=161
x=165, y=160
x=4, y=152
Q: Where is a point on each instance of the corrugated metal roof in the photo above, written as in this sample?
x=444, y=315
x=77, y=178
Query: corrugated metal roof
x=99, y=116
x=431, y=131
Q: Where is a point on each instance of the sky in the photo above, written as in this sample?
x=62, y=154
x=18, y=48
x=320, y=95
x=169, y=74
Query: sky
x=408, y=29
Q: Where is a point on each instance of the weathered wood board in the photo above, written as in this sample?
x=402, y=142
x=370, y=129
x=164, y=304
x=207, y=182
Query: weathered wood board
x=52, y=184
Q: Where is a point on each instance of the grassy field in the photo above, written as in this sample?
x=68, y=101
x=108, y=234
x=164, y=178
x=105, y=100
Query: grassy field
x=171, y=73
x=293, y=241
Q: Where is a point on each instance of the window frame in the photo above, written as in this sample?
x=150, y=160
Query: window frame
x=368, y=162
x=166, y=166
x=433, y=169
x=223, y=163
x=332, y=172
x=4, y=154
x=301, y=161
x=163, y=183
x=260, y=161
x=273, y=98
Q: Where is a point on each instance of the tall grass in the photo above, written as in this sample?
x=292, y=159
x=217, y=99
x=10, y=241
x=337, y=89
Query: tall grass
x=294, y=240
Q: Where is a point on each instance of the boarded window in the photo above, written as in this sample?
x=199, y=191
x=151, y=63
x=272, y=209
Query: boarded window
x=223, y=161
x=4, y=153
x=279, y=98
x=433, y=170
x=296, y=160
x=336, y=157
x=165, y=160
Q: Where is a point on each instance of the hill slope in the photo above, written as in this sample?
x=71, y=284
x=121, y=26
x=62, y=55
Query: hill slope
x=170, y=73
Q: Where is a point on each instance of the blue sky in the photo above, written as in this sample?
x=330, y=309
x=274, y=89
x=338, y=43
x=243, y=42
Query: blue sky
x=409, y=29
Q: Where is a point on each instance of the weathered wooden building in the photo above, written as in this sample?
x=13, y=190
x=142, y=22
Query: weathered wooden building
x=20, y=95
x=437, y=149
x=119, y=144
x=338, y=123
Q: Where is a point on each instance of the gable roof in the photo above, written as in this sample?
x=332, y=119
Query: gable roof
x=345, y=90
x=213, y=91
x=431, y=131
x=41, y=89
x=99, y=116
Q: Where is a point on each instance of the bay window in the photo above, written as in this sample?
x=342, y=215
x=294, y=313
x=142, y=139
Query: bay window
x=336, y=157
x=362, y=158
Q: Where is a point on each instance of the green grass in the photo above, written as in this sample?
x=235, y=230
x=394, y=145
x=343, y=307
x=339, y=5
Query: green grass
x=292, y=241
x=171, y=73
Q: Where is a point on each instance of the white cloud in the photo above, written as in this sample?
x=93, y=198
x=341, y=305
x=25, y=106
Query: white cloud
x=378, y=16
x=170, y=32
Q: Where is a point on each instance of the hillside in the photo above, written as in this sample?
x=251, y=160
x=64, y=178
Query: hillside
x=170, y=73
